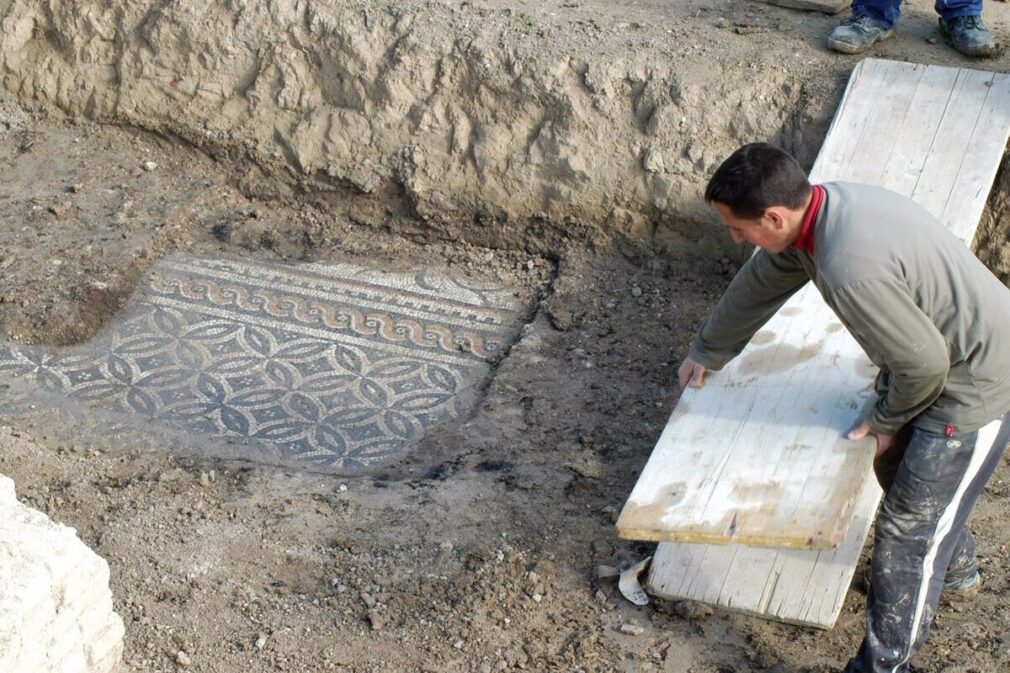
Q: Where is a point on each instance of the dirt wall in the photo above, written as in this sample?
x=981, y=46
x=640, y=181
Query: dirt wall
x=459, y=117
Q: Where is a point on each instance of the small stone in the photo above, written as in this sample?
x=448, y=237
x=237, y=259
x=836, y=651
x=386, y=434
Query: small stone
x=537, y=598
x=692, y=610
x=632, y=629
x=930, y=40
x=368, y=600
x=342, y=488
x=182, y=658
x=606, y=572
x=601, y=548
x=444, y=553
x=458, y=644
x=205, y=480
x=375, y=619
x=636, y=291
x=149, y=166
x=76, y=187
x=59, y=209
x=530, y=265
x=261, y=641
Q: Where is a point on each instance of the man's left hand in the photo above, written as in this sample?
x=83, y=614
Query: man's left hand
x=884, y=441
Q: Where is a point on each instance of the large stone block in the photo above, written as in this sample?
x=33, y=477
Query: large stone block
x=56, y=612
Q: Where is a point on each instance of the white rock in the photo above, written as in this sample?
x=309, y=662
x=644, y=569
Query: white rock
x=56, y=611
x=632, y=629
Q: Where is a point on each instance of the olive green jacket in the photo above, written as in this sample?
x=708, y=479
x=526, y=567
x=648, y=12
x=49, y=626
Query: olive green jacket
x=924, y=309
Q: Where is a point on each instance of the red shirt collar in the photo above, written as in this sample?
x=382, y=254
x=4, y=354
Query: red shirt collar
x=805, y=241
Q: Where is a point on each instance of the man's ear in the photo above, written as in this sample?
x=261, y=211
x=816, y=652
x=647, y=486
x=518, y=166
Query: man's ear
x=776, y=217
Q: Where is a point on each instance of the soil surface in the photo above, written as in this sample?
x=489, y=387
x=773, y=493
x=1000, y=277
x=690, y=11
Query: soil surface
x=479, y=552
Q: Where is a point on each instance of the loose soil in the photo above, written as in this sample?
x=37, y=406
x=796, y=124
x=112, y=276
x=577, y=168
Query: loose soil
x=479, y=552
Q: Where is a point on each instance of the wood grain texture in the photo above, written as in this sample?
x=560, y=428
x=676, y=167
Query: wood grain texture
x=826, y=6
x=899, y=125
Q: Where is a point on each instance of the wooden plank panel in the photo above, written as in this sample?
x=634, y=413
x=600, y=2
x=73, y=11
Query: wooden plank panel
x=798, y=586
x=935, y=185
x=743, y=458
x=864, y=86
x=882, y=109
x=975, y=175
x=792, y=585
x=826, y=6
x=808, y=587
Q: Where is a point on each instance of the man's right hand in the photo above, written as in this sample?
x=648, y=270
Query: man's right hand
x=692, y=373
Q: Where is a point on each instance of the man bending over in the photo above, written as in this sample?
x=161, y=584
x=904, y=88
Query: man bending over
x=929, y=315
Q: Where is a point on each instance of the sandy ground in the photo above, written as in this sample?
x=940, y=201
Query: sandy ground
x=478, y=552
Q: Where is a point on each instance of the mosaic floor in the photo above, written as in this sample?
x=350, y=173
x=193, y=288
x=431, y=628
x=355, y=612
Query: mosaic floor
x=337, y=366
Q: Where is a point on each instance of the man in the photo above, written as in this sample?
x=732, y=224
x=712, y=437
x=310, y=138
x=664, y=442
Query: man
x=935, y=321
x=873, y=20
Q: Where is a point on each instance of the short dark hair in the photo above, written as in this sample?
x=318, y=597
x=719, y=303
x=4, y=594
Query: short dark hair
x=756, y=177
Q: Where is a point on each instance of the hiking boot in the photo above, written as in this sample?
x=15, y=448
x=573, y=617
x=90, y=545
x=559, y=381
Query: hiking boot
x=857, y=34
x=962, y=588
x=969, y=35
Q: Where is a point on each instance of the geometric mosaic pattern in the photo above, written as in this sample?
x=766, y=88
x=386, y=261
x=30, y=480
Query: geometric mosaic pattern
x=332, y=365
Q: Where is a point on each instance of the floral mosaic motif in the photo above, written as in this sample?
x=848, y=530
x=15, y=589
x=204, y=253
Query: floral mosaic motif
x=338, y=366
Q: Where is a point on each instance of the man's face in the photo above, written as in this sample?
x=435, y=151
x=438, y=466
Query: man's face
x=766, y=232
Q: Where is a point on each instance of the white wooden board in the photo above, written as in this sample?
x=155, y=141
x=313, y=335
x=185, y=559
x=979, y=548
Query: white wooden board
x=729, y=466
x=791, y=585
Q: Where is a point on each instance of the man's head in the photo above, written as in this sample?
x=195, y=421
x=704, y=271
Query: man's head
x=761, y=193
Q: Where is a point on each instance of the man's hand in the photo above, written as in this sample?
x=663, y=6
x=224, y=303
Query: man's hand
x=692, y=373
x=884, y=441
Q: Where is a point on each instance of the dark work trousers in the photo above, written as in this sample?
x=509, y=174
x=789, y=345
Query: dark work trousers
x=888, y=11
x=931, y=482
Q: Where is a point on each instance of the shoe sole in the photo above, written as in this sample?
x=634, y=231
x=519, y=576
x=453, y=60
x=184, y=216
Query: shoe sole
x=847, y=48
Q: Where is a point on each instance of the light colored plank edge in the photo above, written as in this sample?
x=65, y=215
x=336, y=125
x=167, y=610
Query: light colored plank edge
x=826, y=6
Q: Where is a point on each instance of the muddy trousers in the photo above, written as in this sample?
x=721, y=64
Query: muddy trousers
x=931, y=482
x=888, y=11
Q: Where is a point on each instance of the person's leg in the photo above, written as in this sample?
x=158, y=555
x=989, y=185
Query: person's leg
x=961, y=24
x=884, y=11
x=962, y=571
x=951, y=9
x=871, y=21
x=963, y=566
x=919, y=527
